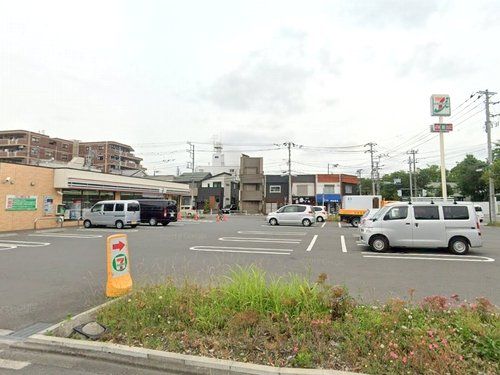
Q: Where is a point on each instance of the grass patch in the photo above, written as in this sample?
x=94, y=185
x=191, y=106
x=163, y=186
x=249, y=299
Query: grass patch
x=294, y=322
x=495, y=224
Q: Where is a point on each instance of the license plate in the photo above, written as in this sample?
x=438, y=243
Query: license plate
x=133, y=222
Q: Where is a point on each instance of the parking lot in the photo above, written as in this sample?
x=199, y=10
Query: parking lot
x=47, y=275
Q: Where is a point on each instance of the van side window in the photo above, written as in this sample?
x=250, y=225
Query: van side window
x=109, y=207
x=96, y=208
x=397, y=213
x=455, y=213
x=119, y=207
x=133, y=207
x=426, y=212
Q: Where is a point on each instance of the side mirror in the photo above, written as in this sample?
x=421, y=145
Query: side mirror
x=374, y=220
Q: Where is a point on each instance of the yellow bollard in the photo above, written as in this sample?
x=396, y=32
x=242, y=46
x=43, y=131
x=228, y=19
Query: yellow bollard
x=118, y=266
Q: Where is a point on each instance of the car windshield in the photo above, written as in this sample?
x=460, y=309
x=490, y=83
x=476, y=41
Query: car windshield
x=380, y=213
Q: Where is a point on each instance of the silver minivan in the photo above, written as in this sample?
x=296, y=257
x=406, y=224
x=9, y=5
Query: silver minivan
x=424, y=225
x=115, y=213
x=293, y=214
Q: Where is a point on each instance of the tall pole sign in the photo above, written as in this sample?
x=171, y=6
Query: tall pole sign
x=440, y=106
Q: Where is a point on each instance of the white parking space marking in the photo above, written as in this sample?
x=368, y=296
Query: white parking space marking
x=8, y=235
x=342, y=244
x=261, y=239
x=244, y=250
x=285, y=227
x=340, y=225
x=323, y=225
x=23, y=243
x=13, y=365
x=445, y=257
x=5, y=247
x=67, y=235
x=105, y=230
x=313, y=241
x=271, y=233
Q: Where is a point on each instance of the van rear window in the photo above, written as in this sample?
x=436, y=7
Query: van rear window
x=133, y=207
x=455, y=213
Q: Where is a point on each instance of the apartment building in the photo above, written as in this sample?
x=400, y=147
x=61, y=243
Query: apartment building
x=32, y=148
x=252, y=184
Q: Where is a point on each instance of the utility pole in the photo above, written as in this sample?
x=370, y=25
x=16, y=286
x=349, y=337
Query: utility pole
x=377, y=178
x=191, y=156
x=377, y=168
x=488, y=125
x=358, y=173
x=289, y=145
x=410, y=173
x=372, y=151
x=413, y=161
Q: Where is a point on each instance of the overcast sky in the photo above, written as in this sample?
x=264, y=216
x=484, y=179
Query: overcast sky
x=155, y=74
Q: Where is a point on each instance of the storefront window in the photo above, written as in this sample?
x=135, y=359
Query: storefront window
x=77, y=202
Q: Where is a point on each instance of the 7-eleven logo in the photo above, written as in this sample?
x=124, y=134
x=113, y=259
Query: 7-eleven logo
x=120, y=262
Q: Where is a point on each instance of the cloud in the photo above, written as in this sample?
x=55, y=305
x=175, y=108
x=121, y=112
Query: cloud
x=263, y=86
x=408, y=13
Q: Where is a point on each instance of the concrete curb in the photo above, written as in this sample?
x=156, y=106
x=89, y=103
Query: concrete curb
x=147, y=358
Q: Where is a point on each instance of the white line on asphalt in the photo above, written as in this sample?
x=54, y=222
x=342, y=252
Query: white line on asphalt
x=268, y=240
x=484, y=259
x=286, y=227
x=323, y=224
x=5, y=332
x=104, y=230
x=342, y=243
x=6, y=247
x=67, y=235
x=271, y=233
x=8, y=234
x=13, y=365
x=313, y=241
x=245, y=250
x=340, y=225
x=426, y=255
x=24, y=243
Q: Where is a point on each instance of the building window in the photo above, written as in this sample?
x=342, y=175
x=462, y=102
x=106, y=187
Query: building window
x=34, y=151
x=217, y=184
x=250, y=170
x=302, y=190
x=35, y=139
x=101, y=147
x=276, y=189
x=48, y=154
x=65, y=146
x=231, y=170
x=329, y=189
x=348, y=189
x=64, y=157
x=100, y=157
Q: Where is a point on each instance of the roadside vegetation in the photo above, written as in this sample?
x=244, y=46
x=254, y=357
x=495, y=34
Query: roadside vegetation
x=292, y=322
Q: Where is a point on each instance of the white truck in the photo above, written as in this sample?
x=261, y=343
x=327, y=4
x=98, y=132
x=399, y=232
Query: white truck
x=355, y=206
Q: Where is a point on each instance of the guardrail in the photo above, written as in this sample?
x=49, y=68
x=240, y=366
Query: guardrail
x=58, y=219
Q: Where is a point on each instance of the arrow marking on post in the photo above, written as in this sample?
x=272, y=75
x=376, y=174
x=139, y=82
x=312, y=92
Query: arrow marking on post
x=118, y=246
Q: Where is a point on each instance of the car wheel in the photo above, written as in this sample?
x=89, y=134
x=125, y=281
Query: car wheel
x=119, y=224
x=355, y=222
x=459, y=246
x=306, y=222
x=87, y=224
x=152, y=222
x=320, y=219
x=273, y=221
x=379, y=244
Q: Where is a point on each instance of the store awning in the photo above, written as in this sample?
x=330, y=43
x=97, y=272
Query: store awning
x=66, y=178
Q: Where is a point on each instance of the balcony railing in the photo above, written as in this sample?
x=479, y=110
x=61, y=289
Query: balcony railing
x=15, y=141
x=13, y=154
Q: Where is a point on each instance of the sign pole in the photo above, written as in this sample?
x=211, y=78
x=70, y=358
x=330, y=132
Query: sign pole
x=443, y=166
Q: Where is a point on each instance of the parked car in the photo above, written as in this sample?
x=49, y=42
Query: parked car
x=368, y=215
x=424, y=225
x=187, y=211
x=479, y=212
x=116, y=213
x=293, y=214
x=154, y=211
x=229, y=208
x=321, y=213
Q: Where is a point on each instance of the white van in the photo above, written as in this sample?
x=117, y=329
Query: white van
x=479, y=212
x=424, y=225
x=116, y=213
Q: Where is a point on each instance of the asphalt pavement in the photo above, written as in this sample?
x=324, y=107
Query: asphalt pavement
x=47, y=275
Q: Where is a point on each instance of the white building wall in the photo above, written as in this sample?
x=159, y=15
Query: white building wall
x=320, y=186
x=309, y=185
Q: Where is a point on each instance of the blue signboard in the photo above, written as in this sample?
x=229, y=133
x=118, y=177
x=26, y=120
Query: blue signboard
x=328, y=198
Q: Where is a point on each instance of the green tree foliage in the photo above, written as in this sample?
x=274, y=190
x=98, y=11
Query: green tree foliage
x=468, y=176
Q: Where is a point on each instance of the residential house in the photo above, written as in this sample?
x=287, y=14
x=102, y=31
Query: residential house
x=251, y=184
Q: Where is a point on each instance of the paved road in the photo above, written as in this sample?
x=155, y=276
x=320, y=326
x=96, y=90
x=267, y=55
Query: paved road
x=47, y=275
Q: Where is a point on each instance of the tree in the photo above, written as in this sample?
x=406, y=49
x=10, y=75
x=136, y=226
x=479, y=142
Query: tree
x=366, y=186
x=468, y=176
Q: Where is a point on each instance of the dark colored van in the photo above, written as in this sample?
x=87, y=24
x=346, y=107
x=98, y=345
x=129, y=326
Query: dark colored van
x=154, y=211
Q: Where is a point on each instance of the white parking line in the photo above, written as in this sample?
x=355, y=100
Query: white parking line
x=258, y=239
x=284, y=226
x=342, y=244
x=104, y=230
x=271, y=233
x=244, y=250
x=67, y=235
x=313, y=241
x=451, y=258
x=24, y=243
x=323, y=224
x=340, y=225
x=5, y=247
x=13, y=365
x=8, y=234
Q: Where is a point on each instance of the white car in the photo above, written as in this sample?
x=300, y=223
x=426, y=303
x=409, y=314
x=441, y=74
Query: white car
x=479, y=212
x=424, y=225
x=321, y=214
x=293, y=214
x=368, y=216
